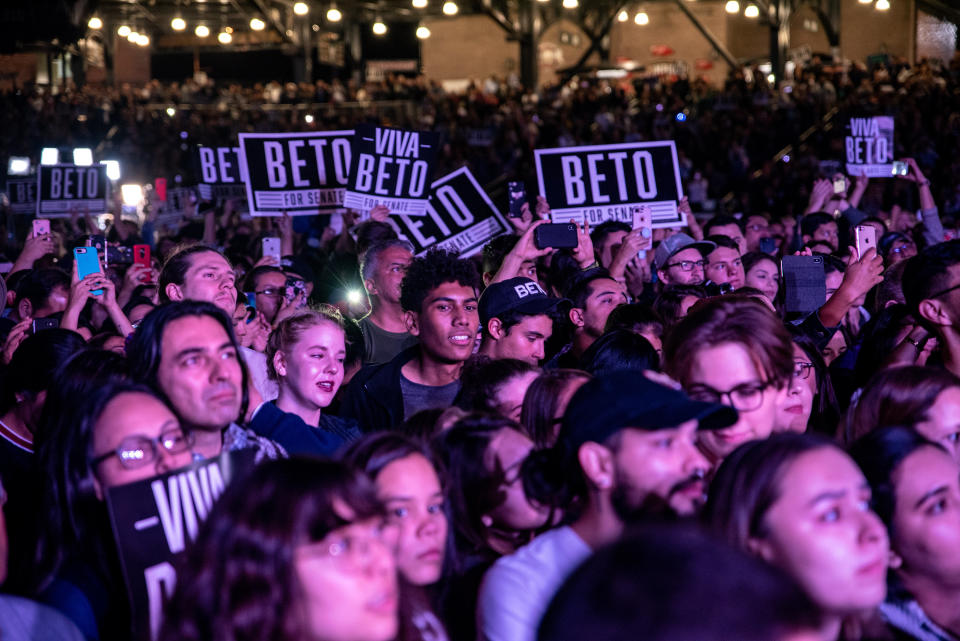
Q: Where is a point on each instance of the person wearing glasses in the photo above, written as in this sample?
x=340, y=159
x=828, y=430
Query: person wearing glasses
x=732, y=350
x=811, y=403
x=120, y=432
x=931, y=286
x=681, y=260
x=268, y=284
x=297, y=550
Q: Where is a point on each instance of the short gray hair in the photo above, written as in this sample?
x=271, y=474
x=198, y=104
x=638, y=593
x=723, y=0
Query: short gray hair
x=369, y=260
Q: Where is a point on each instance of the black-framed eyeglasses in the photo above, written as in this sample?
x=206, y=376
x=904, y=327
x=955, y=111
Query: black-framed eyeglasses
x=945, y=291
x=687, y=265
x=139, y=450
x=745, y=397
x=802, y=369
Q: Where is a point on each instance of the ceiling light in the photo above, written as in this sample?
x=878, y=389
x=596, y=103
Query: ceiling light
x=49, y=156
x=570, y=4
x=171, y=112
x=641, y=18
x=751, y=11
x=301, y=8
x=308, y=118
x=333, y=14
x=882, y=5
x=83, y=156
x=123, y=31
x=866, y=1
x=224, y=38
x=623, y=16
x=202, y=31
x=133, y=37
x=450, y=8
x=733, y=6
x=178, y=24
x=113, y=168
x=379, y=28
x=419, y=4
x=422, y=32
x=143, y=40
x=95, y=23
x=257, y=24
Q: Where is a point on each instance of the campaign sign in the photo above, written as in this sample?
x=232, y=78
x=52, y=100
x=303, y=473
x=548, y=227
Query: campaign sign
x=66, y=188
x=175, y=209
x=22, y=192
x=605, y=182
x=459, y=217
x=301, y=174
x=220, y=173
x=153, y=523
x=391, y=167
x=869, y=147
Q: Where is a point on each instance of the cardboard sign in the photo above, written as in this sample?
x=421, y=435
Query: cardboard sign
x=869, y=147
x=391, y=167
x=459, y=217
x=301, y=174
x=22, y=193
x=220, y=173
x=605, y=182
x=175, y=208
x=153, y=522
x=65, y=188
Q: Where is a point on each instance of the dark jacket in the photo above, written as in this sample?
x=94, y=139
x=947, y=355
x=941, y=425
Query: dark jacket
x=374, y=398
x=296, y=437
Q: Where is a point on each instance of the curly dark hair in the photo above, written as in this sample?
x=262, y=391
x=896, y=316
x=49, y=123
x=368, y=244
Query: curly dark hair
x=431, y=270
x=239, y=580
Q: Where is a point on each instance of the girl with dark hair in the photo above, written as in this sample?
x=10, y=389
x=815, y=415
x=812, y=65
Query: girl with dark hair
x=924, y=398
x=799, y=502
x=916, y=492
x=545, y=402
x=763, y=273
x=620, y=349
x=495, y=385
x=490, y=512
x=811, y=403
x=305, y=355
x=294, y=551
x=408, y=485
x=119, y=433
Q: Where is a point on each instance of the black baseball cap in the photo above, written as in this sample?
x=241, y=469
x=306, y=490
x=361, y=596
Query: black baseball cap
x=515, y=294
x=608, y=403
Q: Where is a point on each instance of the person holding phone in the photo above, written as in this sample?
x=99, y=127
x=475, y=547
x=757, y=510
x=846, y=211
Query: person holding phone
x=85, y=289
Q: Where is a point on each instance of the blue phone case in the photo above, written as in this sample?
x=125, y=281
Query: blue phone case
x=87, y=263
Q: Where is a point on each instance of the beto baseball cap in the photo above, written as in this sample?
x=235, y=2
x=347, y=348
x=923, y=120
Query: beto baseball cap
x=627, y=398
x=678, y=242
x=515, y=294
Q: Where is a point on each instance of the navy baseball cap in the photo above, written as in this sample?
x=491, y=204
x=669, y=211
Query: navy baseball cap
x=515, y=294
x=608, y=403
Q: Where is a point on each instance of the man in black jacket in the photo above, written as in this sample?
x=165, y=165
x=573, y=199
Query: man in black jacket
x=439, y=299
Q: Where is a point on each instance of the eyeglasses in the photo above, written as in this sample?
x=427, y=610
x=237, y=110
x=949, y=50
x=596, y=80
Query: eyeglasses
x=745, y=397
x=271, y=291
x=758, y=227
x=946, y=291
x=903, y=248
x=687, y=265
x=137, y=451
x=801, y=369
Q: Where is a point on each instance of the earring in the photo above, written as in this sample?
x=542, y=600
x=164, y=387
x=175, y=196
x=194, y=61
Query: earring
x=894, y=560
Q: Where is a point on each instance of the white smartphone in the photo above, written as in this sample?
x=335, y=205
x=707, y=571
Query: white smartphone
x=866, y=239
x=643, y=220
x=271, y=247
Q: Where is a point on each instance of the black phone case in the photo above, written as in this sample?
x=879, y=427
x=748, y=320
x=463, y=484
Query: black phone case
x=556, y=236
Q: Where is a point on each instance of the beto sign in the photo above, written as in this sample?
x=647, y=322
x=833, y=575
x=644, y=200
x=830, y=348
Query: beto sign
x=301, y=173
x=605, y=182
x=220, y=173
x=869, y=146
x=66, y=188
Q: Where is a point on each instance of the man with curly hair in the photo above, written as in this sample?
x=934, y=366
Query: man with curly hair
x=438, y=296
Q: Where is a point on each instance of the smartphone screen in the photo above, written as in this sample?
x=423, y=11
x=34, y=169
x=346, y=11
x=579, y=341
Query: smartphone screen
x=517, y=194
x=87, y=263
x=839, y=186
x=866, y=239
x=41, y=226
x=643, y=220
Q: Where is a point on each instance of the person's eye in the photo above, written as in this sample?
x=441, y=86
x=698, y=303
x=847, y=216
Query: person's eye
x=953, y=438
x=208, y=275
x=436, y=508
x=229, y=355
x=664, y=443
x=831, y=516
x=443, y=308
x=191, y=361
x=399, y=512
x=937, y=508
x=470, y=307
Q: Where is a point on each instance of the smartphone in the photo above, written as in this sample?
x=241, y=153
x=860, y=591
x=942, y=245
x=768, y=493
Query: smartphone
x=40, y=324
x=768, y=245
x=643, y=220
x=839, y=185
x=160, y=186
x=517, y=193
x=555, y=235
x=41, y=226
x=804, y=283
x=141, y=255
x=98, y=242
x=866, y=237
x=900, y=168
x=293, y=287
x=271, y=247
x=87, y=263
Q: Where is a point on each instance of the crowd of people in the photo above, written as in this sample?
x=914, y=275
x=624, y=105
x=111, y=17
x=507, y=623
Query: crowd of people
x=636, y=438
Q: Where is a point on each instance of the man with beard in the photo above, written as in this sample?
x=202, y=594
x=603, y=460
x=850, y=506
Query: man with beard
x=625, y=452
x=187, y=352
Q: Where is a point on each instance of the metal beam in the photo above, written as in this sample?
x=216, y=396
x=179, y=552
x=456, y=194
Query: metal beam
x=596, y=41
x=497, y=16
x=712, y=39
x=273, y=23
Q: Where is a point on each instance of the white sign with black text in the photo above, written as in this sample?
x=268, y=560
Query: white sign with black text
x=64, y=189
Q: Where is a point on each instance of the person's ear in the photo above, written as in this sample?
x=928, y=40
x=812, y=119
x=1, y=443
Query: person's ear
x=576, y=317
x=25, y=309
x=412, y=321
x=487, y=520
x=371, y=287
x=934, y=311
x=174, y=292
x=98, y=490
x=495, y=328
x=487, y=277
x=895, y=561
x=762, y=548
x=663, y=277
x=280, y=363
x=806, y=238
x=597, y=463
